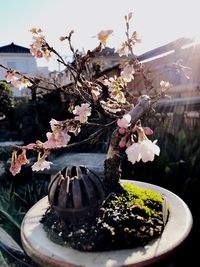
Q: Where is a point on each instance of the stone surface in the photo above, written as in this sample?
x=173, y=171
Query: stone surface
x=46, y=253
x=94, y=161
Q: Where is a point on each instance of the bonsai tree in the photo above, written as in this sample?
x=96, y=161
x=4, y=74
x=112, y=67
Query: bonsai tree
x=99, y=105
x=108, y=100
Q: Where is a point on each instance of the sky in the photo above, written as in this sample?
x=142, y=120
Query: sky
x=157, y=21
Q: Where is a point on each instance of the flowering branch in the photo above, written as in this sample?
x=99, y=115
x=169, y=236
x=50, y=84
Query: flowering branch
x=105, y=99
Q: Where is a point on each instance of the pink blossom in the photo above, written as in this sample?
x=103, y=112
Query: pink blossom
x=15, y=167
x=16, y=81
x=127, y=73
x=21, y=83
x=59, y=138
x=39, y=46
x=148, y=131
x=41, y=164
x=124, y=122
x=10, y=76
x=54, y=124
x=22, y=159
x=83, y=112
x=96, y=91
x=17, y=84
x=122, y=142
x=122, y=130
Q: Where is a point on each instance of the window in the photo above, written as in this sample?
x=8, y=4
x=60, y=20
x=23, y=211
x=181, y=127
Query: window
x=19, y=65
x=12, y=65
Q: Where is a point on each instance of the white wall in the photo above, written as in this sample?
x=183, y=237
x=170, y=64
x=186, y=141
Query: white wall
x=22, y=62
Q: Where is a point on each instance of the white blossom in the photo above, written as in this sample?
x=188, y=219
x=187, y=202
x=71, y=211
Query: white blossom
x=82, y=112
x=41, y=164
x=144, y=150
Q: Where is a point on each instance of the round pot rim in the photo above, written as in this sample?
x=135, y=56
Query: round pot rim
x=46, y=253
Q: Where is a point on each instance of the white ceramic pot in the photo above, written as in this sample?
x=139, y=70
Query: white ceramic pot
x=46, y=253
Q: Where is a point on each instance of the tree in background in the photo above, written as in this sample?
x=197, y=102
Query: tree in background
x=6, y=98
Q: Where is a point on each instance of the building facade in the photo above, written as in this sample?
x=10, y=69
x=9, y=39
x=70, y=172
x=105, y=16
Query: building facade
x=20, y=59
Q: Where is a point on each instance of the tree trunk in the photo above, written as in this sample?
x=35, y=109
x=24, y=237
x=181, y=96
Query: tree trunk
x=112, y=170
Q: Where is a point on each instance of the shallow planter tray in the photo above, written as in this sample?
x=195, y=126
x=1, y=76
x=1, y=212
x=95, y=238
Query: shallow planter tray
x=46, y=253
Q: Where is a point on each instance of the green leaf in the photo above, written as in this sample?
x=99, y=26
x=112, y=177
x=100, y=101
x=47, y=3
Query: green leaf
x=9, y=218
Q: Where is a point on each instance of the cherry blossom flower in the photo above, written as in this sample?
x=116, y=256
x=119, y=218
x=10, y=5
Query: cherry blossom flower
x=54, y=124
x=122, y=142
x=103, y=36
x=115, y=86
x=16, y=81
x=39, y=47
x=135, y=38
x=127, y=73
x=17, y=162
x=21, y=83
x=47, y=54
x=148, y=131
x=133, y=153
x=123, y=50
x=148, y=150
x=22, y=159
x=82, y=112
x=96, y=91
x=41, y=164
x=124, y=122
x=144, y=149
x=74, y=127
x=10, y=76
x=35, y=30
x=15, y=167
x=57, y=139
x=38, y=42
x=122, y=131
x=164, y=85
x=119, y=96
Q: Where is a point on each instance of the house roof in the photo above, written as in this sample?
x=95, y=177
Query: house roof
x=13, y=48
x=107, y=51
x=172, y=46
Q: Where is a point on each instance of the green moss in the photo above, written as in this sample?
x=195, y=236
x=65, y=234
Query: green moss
x=137, y=197
x=142, y=193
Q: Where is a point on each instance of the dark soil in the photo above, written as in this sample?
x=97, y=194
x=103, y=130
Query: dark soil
x=123, y=221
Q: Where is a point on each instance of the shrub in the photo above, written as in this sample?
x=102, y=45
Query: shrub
x=6, y=98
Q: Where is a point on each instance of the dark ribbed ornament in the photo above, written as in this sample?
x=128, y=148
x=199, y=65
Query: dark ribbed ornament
x=75, y=194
